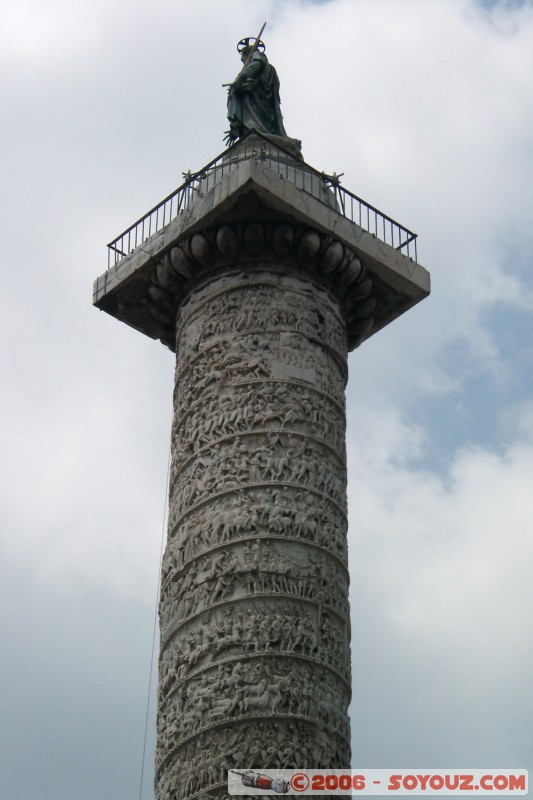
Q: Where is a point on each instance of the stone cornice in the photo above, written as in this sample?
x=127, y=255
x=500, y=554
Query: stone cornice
x=220, y=230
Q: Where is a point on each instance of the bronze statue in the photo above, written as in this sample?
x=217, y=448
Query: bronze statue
x=253, y=98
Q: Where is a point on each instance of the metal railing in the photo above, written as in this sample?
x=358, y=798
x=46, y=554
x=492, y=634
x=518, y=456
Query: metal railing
x=325, y=188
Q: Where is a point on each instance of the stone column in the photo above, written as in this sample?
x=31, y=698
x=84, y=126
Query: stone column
x=265, y=275
x=254, y=663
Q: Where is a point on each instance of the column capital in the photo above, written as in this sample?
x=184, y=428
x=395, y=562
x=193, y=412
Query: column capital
x=252, y=214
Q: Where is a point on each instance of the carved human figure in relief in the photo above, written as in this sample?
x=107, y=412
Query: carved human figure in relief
x=253, y=98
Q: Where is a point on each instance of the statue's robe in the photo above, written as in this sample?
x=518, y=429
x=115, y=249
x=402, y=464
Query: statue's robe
x=253, y=100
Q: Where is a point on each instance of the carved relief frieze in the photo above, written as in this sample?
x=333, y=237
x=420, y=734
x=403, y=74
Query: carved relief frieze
x=253, y=567
x=227, y=363
x=251, y=687
x=206, y=758
x=281, y=511
x=274, y=405
x=288, y=626
x=254, y=594
x=264, y=308
x=278, y=457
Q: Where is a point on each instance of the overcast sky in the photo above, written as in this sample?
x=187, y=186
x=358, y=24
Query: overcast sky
x=426, y=106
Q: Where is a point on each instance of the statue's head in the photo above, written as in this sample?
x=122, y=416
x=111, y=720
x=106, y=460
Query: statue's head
x=245, y=45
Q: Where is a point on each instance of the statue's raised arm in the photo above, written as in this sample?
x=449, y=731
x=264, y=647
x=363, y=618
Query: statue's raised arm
x=253, y=99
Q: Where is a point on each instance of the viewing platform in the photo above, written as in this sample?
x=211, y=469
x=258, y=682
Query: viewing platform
x=256, y=172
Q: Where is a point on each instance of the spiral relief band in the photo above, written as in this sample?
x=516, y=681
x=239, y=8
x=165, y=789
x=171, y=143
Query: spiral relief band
x=254, y=664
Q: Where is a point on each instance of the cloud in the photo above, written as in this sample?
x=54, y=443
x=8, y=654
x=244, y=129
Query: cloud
x=440, y=575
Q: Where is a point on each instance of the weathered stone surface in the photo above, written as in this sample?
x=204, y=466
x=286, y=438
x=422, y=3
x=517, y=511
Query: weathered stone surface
x=254, y=666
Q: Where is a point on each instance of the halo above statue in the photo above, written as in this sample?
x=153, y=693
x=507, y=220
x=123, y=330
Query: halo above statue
x=248, y=42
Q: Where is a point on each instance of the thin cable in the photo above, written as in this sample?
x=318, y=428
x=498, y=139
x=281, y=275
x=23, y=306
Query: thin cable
x=155, y=621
